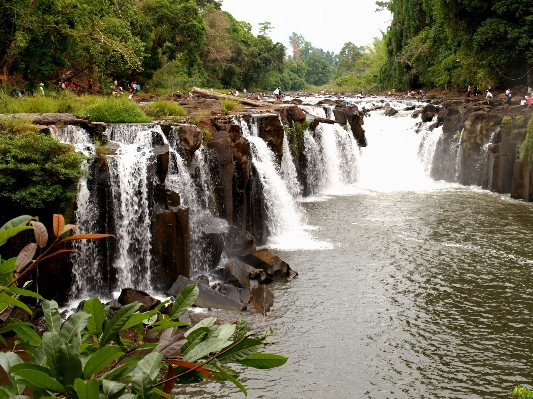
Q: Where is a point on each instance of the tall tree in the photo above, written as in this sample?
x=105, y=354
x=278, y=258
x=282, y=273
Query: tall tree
x=297, y=41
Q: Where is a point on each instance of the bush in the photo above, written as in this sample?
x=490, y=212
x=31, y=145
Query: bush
x=164, y=108
x=36, y=172
x=229, y=105
x=116, y=110
x=16, y=125
x=526, y=149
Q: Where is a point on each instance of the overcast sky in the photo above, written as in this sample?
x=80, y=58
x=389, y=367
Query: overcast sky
x=327, y=24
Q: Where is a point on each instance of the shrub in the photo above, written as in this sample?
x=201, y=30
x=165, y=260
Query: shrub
x=526, y=149
x=16, y=125
x=36, y=171
x=164, y=108
x=228, y=105
x=116, y=110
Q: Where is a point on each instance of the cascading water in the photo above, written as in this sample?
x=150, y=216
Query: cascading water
x=86, y=269
x=285, y=218
x=288, y=170
x=459, y=154
x=428, y=145
x=129, y=178
x=391, y=161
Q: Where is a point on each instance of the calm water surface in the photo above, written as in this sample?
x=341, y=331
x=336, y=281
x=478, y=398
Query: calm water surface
x=427, y=293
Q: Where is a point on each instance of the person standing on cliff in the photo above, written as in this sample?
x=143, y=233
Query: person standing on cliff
x=488, y=96
x=509, y=94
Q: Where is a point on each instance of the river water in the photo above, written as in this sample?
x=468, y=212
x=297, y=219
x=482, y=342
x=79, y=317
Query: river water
x=424, y=291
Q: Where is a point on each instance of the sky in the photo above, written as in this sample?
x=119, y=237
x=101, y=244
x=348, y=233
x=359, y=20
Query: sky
x=327, y=24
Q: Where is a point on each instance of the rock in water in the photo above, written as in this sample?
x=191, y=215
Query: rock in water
x=130, y=295
x=262, y=298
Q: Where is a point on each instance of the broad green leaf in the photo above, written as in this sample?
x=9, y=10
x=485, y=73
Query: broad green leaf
x=74, y=326
x=128, y=396
x=52, y=341
x=224, y=331
x=18, y=221
x=184, y=301
x=113, y=327
x=8, y=266
x=141, y=384
x=7, y=360
x=6, y=234
x=241, y=351
x=94, y=307
x=4, y=298
x=169, y=324
x=69, y=365
x=139, y=318
x=263, y=361
x=23, y=292
x=52, y=316
x=150, y=364
x=39, y=356
x=241, y=329
x=208, y=322
x=119, y=373
x=37, y=377
x=205, y=348
x=112, y=388
x=100, y=359
x=192, y=339
x=229, y=377
x=87, y=389
x=26, y=333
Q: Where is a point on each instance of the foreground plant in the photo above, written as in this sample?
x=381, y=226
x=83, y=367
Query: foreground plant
x=97, y=354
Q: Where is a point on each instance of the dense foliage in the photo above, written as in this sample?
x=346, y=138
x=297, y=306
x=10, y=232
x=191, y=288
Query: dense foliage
x=100, y=353
x=36, y=172
x=458, y=43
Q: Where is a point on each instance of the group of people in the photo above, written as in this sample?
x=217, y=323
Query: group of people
x=475, y=90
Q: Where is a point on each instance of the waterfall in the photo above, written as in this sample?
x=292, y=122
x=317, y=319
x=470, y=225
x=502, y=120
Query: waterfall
x=129, y=178
x=427, y=148
x=87, y=267
x=391, y=161
x=288, y=170
x=314, y=170
x=459, y=154
x=317, y=112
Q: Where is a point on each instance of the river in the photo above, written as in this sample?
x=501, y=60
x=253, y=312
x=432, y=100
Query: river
x=424, y=291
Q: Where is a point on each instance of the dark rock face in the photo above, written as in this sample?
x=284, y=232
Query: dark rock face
x=129, y=295
x=271, y=131
x=389, y=111
x=271, y=264
x=222, y=168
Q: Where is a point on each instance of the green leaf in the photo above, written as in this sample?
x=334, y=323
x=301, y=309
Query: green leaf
x=26, y=333
x=128, y=396
x=6, y=234
x=23, y=292
x=241, y=328
x=112, y=388
x=150, y=364
x=208, y=322
x=168, y=324
x=112, y=328
x=52, y=316
x=229, y=377
x=161, y=393
x=74, y=325
x=87, y=389
x=18, y=221
x=69, y=365
x=263, y=361
x=205, y=348
x=100, y=359
x=94, y=307
x=8, y=266
x=139, y=318
x=119, y=373
x=241, y=351
x=184, y=301
x=4, y=298
x=37, y=377
x=52, y=341
x=141, y=384
x=7, y=360
x=192, y=339
x=39, y=356
x=224, y=331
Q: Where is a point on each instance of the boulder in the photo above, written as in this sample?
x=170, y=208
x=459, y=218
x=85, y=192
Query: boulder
x=271, y=130
x=243, y=275
x=389, y=111
x=428, y=112
x=130, y=295
x=222, y=168
x=190, y=137
x=262, y=299
x=207, y=297
x=271, y=264
x=239, y=294
x=239, y=243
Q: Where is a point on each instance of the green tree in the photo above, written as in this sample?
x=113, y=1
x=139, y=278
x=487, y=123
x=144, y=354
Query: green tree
x=318, y=69
x=265, y=28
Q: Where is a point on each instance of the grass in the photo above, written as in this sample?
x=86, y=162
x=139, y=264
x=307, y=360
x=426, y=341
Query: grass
x=16, y=125
x=228, y=105
x=116, y=110
x=161, y=108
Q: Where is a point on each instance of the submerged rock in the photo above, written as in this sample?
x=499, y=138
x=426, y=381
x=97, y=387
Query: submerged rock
x=262, y=298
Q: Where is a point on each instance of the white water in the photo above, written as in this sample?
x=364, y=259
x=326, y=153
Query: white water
x=288, y=170
x=390, y=162
x=286, y=224
x=128, y=171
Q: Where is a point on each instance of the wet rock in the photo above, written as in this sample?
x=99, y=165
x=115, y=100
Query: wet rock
x=130, y=295
x=416, y=113
x=207, y=297
x=389, y=111
x=270, y=129
x=262, y=298
x=239, y=243
x=203, y=279
x=239, y=294
x=291, y=114
x=243, y=275
x=222, y=168
x=428, y=112
x=190, y=137
x=213, y=233
x=271, y=264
